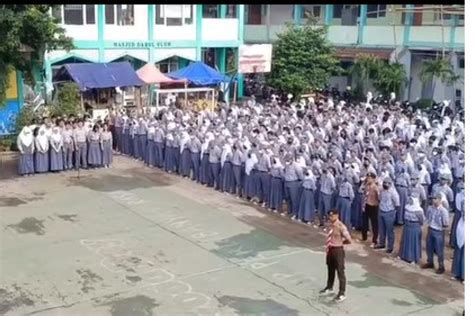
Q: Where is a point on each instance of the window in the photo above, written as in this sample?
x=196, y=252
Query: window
x=210, y=11
x=461, y=62
x=231, y=11
x=311, y=11
x=120, y=14
x=73, y=14
x=57, y=13
x=109, y=14
x=125, y=14
x=337, y=11
x=376, y=10
x=174, y=15
x=169, y=65
x=90, y=14
x=458, y=93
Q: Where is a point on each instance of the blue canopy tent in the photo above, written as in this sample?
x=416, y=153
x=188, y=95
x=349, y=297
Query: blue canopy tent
x=199, y=74
x=99, y=76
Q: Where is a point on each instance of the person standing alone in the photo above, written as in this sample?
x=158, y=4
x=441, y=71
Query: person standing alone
x=338, y=236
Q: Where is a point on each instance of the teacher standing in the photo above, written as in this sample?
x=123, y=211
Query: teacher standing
x=338, y=236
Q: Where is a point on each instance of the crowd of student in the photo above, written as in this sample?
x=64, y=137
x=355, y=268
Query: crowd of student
x=374, y=163
x=62, y=144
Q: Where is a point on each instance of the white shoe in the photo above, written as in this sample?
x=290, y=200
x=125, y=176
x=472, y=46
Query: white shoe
x=339, y=298
x=293, y=218
x=326, y=291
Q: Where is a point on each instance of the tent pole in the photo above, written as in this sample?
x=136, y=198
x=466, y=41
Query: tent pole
x=186, y=95
x=235, y=91
x=213, y=99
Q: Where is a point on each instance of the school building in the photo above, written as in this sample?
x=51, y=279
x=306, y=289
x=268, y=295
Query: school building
x=172, y=35
x=409, y=34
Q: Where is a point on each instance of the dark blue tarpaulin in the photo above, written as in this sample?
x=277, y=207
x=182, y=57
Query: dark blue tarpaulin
x=99, y=75
x=199, y=74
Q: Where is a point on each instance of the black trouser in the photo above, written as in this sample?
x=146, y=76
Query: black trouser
x=335, y=262
x=370, y=212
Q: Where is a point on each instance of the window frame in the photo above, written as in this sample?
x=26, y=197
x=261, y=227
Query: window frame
x=210, y=17
x=62, y=20
x=116, y=16
x=172, y=60
x=312, y=11
x=379, y=12
x=164, y=20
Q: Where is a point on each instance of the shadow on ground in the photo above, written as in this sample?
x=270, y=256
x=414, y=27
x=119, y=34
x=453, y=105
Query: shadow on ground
x=248, y=306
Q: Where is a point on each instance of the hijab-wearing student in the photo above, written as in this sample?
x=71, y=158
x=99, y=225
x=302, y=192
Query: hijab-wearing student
x=26, y=146
x=277, y=185
x=306, y=207
x=42, y=151
x=410, y=244
x=106, y=144
x=458, y=262
x=94, y=156
x=80, y=142
x=68, y=146
x=56, y=150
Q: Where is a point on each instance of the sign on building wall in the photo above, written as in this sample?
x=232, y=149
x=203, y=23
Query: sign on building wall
x=255, y=58
x=142, y=44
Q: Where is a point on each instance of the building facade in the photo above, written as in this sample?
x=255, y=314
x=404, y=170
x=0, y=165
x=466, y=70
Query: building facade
x=409, y=34
x=168, y=35
x=172, y=35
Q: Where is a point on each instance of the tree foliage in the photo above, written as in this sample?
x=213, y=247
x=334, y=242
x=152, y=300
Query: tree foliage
x=303, y=60
x=390, y=78
x=27, y=32
x=438, y=68
x=68, y=100
x=386, y=78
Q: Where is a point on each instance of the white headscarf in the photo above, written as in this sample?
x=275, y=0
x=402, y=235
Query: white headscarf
x=184, y=139
x=460, y=230
x=56, y=135
x=250, y=163
x=26, y=136
x=225, y=151
x=42, y=139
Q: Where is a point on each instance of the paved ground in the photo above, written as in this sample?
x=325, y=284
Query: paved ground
x=134, y=241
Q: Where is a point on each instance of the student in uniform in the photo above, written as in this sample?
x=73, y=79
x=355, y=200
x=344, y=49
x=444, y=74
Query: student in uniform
x=94, y=155
x=214, y=165
x=237, y=161
x=195, y=148
x=106, y=146
x=158, y=141
x=457, y=215
x=205, y=169
x=185, y=155
x=141, y=138
x=80, y=142
x=56, y=151
x=370, y=208
x=328, y=187
x=227, y=174
x=293, y=177
x=410, y=244
x=437, y=218
x=306, y=208
x=26, y=146
x=402, y=184
x=42, y=151
x=169, y=154
x=150, y=152
x=276, y=185
x=68, y=146
x=457, y=268
x=263, y=177
x=389, y=204
x=344, y=201
x=250, y=175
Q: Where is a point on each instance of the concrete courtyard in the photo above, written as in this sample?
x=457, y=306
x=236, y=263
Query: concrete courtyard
x=132, y=240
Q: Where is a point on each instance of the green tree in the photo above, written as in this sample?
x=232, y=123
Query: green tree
x=27, y=32
x=303, y=60
x=365, y=68
x=390, y=78
x=68, y=100
x=438, y=68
